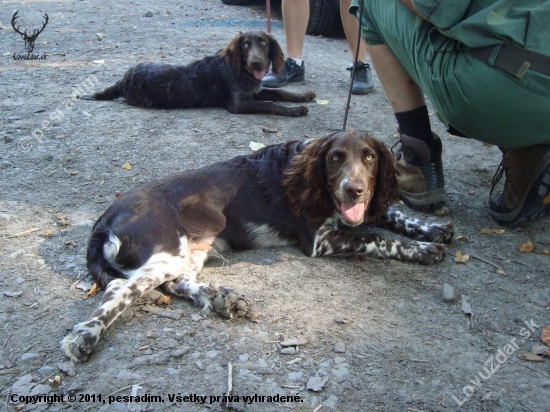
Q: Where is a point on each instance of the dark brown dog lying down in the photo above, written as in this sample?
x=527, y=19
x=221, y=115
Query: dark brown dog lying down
x=328, y=196
x=230, y=79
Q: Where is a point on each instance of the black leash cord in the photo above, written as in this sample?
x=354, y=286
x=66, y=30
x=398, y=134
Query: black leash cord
x=354, y=64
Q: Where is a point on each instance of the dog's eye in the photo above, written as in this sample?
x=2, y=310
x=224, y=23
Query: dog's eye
x=334, y=158
x=263, y=44
x=370, y=158
x=246, y=45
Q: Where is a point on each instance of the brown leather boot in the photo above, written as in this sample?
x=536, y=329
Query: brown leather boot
x=421, y=181
x=526, y=188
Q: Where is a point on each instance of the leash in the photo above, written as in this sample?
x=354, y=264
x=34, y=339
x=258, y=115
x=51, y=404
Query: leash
x=268, y=10
x=354, y=64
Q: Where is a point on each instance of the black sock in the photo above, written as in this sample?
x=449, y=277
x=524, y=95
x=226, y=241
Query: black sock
x=416, y=123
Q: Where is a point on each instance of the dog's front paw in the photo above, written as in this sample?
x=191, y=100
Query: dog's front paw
x=308, y=97
x=78, y=346
x=300, y=111
x=229, y=303
x=440, y=233
x=429, y=253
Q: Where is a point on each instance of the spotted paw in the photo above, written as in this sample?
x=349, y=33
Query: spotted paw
x=78, y=345
x=430, y=253
x=441, y=233
x=229, y=304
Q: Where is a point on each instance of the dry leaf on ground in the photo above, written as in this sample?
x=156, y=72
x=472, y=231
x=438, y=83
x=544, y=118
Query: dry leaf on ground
x=491, y=231
x=531, y=357
x=255, y=146
x=127, y=166
x=461, y=258
x=526, y=247
x=92, y=291
x=545, y=335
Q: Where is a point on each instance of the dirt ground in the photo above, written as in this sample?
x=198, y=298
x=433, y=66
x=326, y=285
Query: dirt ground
x=378, y=334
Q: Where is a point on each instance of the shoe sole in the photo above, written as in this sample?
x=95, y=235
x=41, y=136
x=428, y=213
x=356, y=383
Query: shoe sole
x=362, y=91
x=536, y=202
x=424, y=201
x=277, y=85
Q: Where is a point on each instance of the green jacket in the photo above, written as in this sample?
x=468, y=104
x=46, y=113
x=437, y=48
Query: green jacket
x=478, y=23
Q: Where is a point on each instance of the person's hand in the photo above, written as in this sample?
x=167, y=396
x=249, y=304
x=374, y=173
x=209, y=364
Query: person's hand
x=409, y=4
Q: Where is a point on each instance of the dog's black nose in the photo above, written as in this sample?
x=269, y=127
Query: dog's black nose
x=354, y=189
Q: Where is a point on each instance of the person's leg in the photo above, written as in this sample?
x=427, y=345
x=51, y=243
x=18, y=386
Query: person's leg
x=362, y=81
x=351, y=29
x=480, y=101
x=295, y=21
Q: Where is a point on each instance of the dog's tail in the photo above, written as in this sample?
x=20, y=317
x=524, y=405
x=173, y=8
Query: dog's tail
x=101, y=242
x=110, y=93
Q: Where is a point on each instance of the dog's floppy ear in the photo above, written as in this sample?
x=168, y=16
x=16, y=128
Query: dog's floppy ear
x=305, y=182
x=233, y=52
x=275, y=55
x=387, y=191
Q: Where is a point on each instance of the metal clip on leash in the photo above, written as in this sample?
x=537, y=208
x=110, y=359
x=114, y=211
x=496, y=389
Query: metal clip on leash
x=354, y=64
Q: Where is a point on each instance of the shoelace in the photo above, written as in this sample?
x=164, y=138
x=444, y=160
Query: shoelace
x=361, y=72
x=496, y=178
x=397, y=151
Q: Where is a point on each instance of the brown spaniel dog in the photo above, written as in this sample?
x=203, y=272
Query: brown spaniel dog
x=323, y=195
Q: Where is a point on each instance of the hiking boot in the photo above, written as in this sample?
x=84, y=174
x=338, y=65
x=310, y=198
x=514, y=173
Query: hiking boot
x=362, y=81
x=290, y=72
x=421, y=182
x=527, y=186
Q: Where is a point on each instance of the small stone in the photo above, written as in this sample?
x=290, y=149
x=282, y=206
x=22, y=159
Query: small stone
x=340, y=373
x=46, y=370
x=541, y=350
x=172, y=371
x=100, y=36
x=195, y=317
x=316, y=383
x=29, y=356
x=211, y=354
x=331, y=402
x=244, y=357
x=67, y=368
x=288, y=351
x=340, y=347
x=148, y=14
x=447, y=293
x=11, y=294
x=294, y=342
x=339, y=359
x=126, y=375
x=295, y=376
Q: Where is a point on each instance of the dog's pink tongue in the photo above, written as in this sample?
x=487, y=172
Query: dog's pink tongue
x=258, y=74
x=353, y=212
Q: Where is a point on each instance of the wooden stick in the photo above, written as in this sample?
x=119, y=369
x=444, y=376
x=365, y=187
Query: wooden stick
x=26, y=232
x=488, y=262
x=229, y=378
x=112, y=393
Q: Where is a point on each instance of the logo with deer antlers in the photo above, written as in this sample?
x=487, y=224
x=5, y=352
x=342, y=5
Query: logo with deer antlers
x=28, y=38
